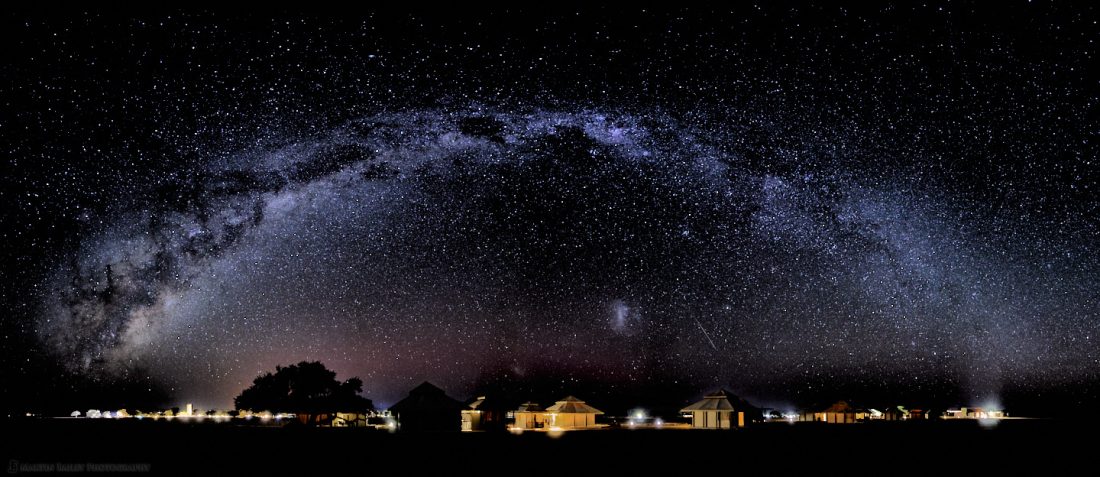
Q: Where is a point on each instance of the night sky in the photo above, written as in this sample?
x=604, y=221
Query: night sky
x=798, y=203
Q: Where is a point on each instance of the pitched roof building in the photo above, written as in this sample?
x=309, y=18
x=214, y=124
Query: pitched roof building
x=485, y=413
x=428, y=408
x=839, y=413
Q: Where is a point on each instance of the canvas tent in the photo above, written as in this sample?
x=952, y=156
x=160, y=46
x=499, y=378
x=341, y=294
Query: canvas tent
x=719, y=410
x=529, y=415
x=571, y=413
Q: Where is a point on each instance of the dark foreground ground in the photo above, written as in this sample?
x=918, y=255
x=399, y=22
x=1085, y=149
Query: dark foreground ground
x=1013, y=447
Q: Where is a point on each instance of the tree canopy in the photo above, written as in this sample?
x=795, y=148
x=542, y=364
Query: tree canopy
x=305, y=388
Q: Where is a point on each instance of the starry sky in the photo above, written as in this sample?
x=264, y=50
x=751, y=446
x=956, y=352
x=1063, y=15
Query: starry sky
x=798, y=202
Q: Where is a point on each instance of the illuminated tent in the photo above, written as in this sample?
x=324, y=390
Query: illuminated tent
x=571, y=413
x=529, y=415
x=719, y=410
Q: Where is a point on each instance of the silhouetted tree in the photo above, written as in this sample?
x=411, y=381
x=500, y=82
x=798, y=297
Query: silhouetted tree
x=305, y=388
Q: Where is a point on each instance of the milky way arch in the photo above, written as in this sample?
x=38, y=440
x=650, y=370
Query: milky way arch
x=633, y=246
